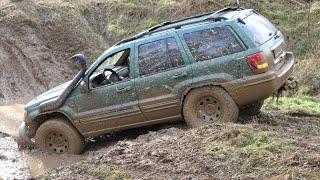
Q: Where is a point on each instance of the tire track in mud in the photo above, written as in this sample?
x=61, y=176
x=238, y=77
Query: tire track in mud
x=149, y=151
x=209, y=152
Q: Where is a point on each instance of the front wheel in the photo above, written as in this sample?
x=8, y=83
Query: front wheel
x=207, y=105
x=60, y=137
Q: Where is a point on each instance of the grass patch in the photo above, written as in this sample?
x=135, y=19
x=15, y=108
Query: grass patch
x=105, y=172
x=248, y=147
x=262, y=153
x=298, y=106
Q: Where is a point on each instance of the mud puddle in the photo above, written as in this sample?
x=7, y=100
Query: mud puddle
x=15, y=164
x=12, y=165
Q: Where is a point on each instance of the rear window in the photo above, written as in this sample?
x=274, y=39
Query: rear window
x=259, y=28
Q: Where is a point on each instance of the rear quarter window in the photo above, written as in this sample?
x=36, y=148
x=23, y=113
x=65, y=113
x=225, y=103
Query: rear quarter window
x=212, y=43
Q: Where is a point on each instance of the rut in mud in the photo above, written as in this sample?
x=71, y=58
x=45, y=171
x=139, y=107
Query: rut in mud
x=15, y=164
x=272, y=145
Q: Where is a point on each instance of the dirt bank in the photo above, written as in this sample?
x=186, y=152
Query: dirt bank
x=35, y=43
x=38, y=36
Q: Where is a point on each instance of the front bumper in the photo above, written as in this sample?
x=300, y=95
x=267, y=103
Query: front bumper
x=258, y=87
x=23, y=139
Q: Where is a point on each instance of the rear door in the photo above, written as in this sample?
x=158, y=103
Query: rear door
x=163, y=73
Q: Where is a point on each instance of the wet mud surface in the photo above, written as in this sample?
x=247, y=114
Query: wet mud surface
x=271, y=145
x=16, y=164
x=11, y=164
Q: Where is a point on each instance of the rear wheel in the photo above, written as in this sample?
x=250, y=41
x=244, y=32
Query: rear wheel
x=207, y=105
x=60, y=137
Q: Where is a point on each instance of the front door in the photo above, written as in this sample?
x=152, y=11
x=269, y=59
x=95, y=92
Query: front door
x=163, y=72
x=112, y=103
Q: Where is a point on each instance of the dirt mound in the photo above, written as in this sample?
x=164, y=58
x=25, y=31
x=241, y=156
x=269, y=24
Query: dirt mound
x=271, y=146
x=37, y=37
x=35, y=42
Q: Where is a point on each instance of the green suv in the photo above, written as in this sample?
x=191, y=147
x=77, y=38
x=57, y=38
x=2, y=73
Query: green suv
x=202, y=69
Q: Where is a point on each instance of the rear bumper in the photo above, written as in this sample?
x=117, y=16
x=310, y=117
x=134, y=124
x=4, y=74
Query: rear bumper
x=257, y=87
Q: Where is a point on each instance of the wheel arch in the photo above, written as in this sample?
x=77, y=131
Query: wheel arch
x=189, y=89
x=230, y=114
x=41, y=118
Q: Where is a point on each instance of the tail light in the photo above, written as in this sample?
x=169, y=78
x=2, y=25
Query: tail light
x=257, y=64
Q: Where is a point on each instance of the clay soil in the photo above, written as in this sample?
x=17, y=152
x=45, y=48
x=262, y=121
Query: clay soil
x=269, y=146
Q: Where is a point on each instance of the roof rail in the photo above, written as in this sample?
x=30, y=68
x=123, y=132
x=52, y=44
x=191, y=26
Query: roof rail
x=214, y=19
x=154, y=28
x=227, y=9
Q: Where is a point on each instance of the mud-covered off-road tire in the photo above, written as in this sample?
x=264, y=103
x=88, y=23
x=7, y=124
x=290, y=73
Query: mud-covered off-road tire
x=60, y=137
x=252, y=109
x=207, y=105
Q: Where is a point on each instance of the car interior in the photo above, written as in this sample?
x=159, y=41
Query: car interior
x=113, y=69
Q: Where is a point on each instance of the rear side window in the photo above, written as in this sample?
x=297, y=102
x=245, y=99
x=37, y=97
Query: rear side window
x=159, y=56
x=212, y=43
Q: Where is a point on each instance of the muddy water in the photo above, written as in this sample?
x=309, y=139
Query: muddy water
x=11, y=164
x=15, y=164
x=10, y=118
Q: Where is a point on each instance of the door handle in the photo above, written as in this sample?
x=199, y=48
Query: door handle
x=122, y=90
x=176, y=76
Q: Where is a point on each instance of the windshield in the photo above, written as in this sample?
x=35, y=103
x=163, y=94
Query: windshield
x=259, y=28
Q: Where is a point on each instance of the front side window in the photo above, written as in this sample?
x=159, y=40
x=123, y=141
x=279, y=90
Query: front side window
x=113, y=69
x=159, y=56
x=111, y=61
x=212, y=43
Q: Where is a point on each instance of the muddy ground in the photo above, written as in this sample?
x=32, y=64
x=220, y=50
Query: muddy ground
x=270, y=146
x=16, y=164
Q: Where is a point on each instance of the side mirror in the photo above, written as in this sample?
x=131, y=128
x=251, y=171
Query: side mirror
x=84, y=87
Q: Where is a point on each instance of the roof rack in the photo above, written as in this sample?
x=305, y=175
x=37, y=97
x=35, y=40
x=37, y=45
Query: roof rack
x=155, y=28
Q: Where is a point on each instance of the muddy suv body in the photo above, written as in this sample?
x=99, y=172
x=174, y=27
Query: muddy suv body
x=202, y=69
